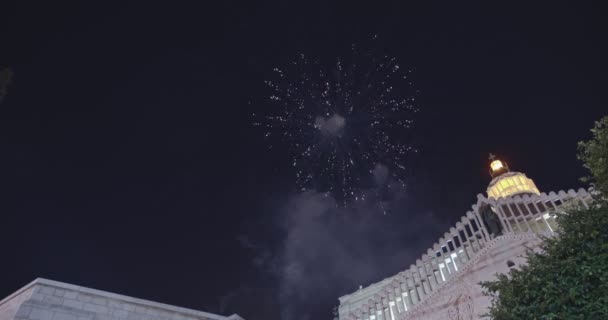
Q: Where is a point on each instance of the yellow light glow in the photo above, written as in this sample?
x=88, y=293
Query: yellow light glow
x=512, y=185
x=496, y=164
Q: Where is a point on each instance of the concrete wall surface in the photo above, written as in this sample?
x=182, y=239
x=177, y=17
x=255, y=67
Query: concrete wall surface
x=462, y=298
x=45, y=299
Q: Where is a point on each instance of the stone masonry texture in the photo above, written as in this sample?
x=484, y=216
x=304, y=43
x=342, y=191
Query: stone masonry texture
x=51, y=300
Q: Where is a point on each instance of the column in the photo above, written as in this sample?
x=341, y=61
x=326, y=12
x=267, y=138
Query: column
x=465, y=222
x=540, y=215
x=428, y=263
x=409, y=301
x=503, y=215
x=417, y=279
x=473, y=219
x=528, y=215
x=463, y=241
x=485, y=235
x=516, y=203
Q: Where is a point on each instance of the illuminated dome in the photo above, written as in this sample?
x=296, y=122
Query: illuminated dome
x=506, y=183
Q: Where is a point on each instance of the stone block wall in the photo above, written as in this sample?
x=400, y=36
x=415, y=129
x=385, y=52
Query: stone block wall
x=50, y=300
x=10, y=305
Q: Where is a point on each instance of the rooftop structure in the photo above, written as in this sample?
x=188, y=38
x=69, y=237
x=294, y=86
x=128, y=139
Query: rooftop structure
x=490, y=238
x=506, y=183
x=44, y=299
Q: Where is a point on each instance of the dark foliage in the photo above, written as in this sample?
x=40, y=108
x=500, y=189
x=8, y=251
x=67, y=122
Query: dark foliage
x=568, y=278
x=594, y=154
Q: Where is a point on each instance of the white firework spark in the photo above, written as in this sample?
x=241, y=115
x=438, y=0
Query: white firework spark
x=340, y=125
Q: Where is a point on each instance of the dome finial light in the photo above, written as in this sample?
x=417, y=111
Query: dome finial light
x=506, y=183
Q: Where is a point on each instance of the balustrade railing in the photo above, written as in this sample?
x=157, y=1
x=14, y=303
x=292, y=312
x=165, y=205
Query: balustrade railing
x=514, y=215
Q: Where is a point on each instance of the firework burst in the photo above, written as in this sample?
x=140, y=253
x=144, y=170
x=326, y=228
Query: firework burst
x=342, y=122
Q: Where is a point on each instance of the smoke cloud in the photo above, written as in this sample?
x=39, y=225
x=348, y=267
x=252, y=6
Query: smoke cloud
x=328, y=251
x=330, y=126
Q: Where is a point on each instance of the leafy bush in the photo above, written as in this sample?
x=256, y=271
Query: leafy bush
x=568, y=279
x=594, y=154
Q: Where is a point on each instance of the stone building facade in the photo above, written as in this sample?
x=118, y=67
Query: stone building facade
x=490, y=238
x=51, y=300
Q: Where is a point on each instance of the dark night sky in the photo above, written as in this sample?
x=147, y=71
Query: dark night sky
x=129, y=163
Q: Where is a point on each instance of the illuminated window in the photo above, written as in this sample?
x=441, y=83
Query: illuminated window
x=495, y=165
x=511, y=182
x=511, y=185
x=454, y=256
x=396, y=305
x=441, y=267
x=404, y=295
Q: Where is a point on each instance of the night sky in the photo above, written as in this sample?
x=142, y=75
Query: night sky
x=129, y=162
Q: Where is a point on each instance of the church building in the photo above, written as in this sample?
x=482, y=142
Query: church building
x=443, y=283
x=488, y=239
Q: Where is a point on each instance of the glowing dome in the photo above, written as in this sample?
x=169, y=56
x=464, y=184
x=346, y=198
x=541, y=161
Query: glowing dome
x=506, y=183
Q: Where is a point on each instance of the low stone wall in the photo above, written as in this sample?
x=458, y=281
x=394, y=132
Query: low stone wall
x=50, y=300
x=10, y=305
